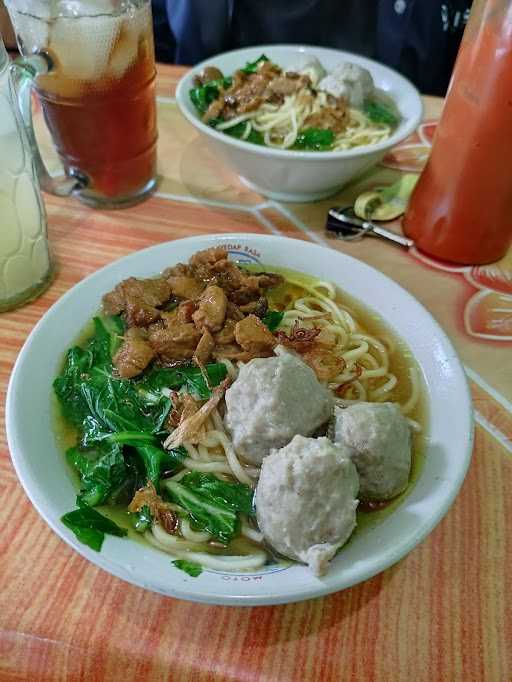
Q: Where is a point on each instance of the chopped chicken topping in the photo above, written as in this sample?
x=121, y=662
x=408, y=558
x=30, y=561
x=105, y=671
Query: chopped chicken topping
x=149, y=292
x=134, y=355
x=330, y=118
x=172, y=340
x=254, y=337
x=212, y=309
x=248, y=91
x=191, y=312
x=185, y=286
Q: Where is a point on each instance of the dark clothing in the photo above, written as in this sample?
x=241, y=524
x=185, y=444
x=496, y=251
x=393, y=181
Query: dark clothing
x=312, y=22
x=165, y=44
x=419, y=38
x=421, y=41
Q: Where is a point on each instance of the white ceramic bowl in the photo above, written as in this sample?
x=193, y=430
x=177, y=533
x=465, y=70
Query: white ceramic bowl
x=41, y=470
x=292, y=175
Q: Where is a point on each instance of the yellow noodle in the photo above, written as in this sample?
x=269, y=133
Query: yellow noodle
x=366, y=373
x=251, y=533
x=391, y=382
x=415, y=393
x=365, y=376
x=355, y=354
x=183, y=549
x=191, y=451
x=281, y=124
x=207, y=467
x=192, y=535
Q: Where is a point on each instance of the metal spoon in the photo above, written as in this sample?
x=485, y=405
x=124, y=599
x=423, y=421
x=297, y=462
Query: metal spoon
x=347, y=226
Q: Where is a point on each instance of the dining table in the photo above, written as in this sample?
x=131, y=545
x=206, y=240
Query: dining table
x=442, y=613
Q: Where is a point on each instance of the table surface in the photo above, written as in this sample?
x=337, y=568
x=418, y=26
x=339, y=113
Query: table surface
x=442, y=613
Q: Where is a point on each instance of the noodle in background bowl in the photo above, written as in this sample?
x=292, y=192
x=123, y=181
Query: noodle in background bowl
x=41, y=469
x=296, y=175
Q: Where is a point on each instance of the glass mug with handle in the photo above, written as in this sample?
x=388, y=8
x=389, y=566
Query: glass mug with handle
x=92, y=65
x=25, y=264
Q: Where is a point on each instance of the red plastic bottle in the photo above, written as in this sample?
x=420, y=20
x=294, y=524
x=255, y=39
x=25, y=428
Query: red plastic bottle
x=461, y=208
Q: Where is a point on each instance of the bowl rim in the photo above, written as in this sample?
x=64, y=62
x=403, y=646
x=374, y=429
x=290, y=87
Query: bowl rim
x=410, y=124
x=329, y=583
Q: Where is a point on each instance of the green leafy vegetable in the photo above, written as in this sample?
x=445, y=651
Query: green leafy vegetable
x=108, y=332
x=189, y=377
x=121, y=426
x=204, y=95
x=87, y=536
x=157, y=460
x=90, y=526
x=378, y=112
x=117, y=407
x=190, y=567
x=99, y=403
x=67, y=386
x=132, y=438
x=195, y=381
x=273, y=319
x=214, y=122
x=218, y=518
x=142, y=520
x=252, y=67
x=237, y=496
x=135, y=478
x=315, y=139
x=238, y=131
x=213, y=505
x=118, y=424
x=101, y=471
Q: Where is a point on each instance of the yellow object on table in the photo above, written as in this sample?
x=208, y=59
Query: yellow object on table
x=442, y=613
x=386, y=203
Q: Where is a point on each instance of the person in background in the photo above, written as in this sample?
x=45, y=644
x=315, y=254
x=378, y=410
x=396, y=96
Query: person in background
x=418, y=38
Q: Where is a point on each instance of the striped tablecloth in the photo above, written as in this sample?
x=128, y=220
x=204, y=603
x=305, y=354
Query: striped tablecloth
x=443, y=613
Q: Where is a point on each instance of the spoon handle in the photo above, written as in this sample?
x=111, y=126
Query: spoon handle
x=398, y=239
x=338, y=218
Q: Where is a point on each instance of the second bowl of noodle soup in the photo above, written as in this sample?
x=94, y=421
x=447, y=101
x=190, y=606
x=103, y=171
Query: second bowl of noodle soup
x=290, y=174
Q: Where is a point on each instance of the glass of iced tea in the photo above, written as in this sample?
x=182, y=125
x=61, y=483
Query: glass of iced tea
x=92, y=65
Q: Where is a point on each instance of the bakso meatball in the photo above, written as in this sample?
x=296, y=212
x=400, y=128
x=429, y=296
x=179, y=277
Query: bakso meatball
x=380, y=439
x=306, y=500
x=350, y=81
x=309, y=66
x=272, y=400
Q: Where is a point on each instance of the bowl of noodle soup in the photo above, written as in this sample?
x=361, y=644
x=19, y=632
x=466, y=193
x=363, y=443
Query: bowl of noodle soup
x=397, y=354
x=291, y=174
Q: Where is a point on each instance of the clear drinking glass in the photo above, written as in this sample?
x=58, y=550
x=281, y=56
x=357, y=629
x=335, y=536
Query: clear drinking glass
x=93, y=67
x=25, y=266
